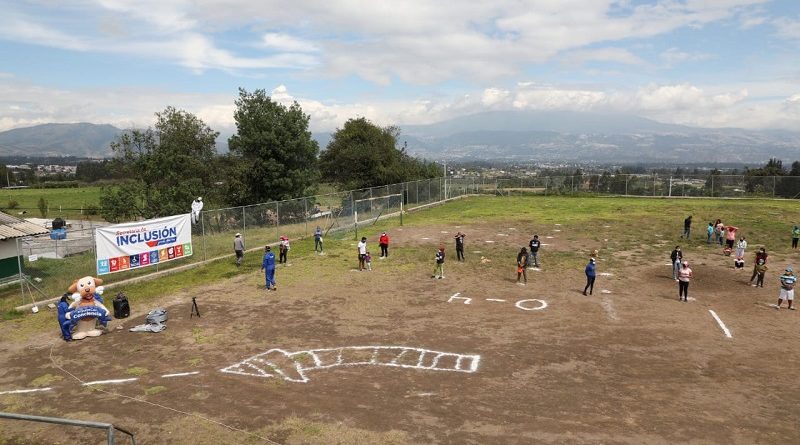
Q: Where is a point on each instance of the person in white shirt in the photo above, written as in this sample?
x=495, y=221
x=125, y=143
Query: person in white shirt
x=684, y=276
x=362, y=253
x=197, y=206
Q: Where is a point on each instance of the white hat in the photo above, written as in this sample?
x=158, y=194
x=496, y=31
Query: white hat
x=238, y=234
x=199, y=198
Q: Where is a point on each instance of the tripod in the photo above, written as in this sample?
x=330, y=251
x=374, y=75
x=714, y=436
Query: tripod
x=195, y=309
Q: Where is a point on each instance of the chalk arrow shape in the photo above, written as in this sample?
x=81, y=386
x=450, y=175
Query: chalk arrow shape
x=273, y=363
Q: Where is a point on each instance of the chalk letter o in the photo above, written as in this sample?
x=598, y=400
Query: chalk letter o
x=542, y=305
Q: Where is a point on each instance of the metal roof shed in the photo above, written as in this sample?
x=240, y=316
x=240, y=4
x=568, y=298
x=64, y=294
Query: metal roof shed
x=11, y=229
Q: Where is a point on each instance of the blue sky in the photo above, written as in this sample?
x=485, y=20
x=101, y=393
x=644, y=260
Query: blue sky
x=709, y=63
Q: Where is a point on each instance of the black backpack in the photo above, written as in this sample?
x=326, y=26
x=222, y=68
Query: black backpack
x=121, y=307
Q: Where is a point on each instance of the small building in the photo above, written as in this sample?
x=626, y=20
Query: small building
x=11, y=229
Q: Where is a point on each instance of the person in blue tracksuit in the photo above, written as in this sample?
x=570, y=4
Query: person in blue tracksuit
x=591, y=272
x=268, y=265
x=63, y=323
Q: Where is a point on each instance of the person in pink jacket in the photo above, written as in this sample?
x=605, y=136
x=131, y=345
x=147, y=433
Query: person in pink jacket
x=730, y=236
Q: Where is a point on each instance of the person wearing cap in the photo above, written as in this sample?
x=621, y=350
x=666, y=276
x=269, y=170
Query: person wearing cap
x=384, y=243
x=284, y=250
x=268, y=267
x=318, y=240
x=787, y=288
x=684, y=276
x=591, y=273
x=238, y=248
x=197, y=206
x=362, y=253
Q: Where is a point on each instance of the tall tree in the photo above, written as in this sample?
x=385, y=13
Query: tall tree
x=362, y=154
x=169, y=165
x=272, y=154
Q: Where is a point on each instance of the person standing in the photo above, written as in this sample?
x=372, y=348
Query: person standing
x=522, y=264
x=438, y=271
x=362, y=253
x=268, y=267
x=684, y=276
x=761, y=270
x=730, y=236
x=719, y=231
x=710, y=231
x=384, y=243
x=788, y=280
x=591, y=273
x=460, y=246
x=368, y=261
x=687, y=227
x=676, y=256
x=284, y=250
x=238, y=248
x=534, y=245
x=795, y=236
x=740, y=247
x=318, y=240
x=761, y=254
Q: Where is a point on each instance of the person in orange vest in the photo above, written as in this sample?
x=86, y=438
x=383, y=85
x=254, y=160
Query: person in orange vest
x=384, y=243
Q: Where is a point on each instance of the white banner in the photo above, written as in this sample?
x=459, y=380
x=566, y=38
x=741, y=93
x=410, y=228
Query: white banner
x=143, y=243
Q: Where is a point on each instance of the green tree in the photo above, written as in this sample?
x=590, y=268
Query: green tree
x=169, y=165
x=42, y=204
x=272, y=155
x=362, y=154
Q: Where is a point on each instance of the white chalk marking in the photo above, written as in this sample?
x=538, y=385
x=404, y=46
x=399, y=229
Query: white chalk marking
x=476, y=251
x=542, y=305
x=290, y=366
x=110, y=382
x=609, y=308
x=445, y=231
x=495, y=299
x=180, y=374
x=512, y=228
x=489, y=241
x=721, y=324
x=606, y=274
x=691, y=299
x=605, y=239
x=658, y=235
x=607, y=227
x=549, y=237
x=425, y=237
x=25, y=391
x=502, y=234
x=556, y=230
x=543, y=244
x=605, y=291
x=456, y=297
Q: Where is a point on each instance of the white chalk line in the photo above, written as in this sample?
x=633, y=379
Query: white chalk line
x=110, y=382
x=496, y=299
x=542, y=305
x=180, y=374
x=606, y=274
x=609, y=308
x=295, y=371
x=25, y=391
x=721, y=324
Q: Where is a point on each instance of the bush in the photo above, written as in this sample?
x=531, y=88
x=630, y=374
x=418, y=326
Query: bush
x=91, y=210
x=12, y=204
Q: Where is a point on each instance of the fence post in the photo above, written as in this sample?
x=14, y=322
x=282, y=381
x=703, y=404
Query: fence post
x=203, y=228
x=774, y=183
x=712, y=185
x=277, y=220
x=305, y=216
x=627, y=178
x=244, y=223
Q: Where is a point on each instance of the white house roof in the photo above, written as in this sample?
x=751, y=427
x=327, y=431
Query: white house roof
x=11, y=227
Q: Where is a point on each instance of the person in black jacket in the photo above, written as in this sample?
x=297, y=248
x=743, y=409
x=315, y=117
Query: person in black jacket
x=687, y=227
x=460, y=245
x=676, y=256
x=534, y=256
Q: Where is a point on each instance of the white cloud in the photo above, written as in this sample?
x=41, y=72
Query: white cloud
x=617, y=55
x=285, y=42
x=787, y=28
x=674, y=56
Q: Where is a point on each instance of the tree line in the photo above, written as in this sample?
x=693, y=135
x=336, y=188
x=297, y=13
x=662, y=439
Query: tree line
x=272, y=156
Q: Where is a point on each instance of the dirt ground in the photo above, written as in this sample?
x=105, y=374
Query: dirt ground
x=627, y=365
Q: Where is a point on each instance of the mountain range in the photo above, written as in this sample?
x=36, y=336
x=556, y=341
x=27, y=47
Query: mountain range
x=496, y=135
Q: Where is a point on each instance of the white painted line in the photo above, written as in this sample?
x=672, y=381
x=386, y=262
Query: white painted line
x=476, y=251
x=549, y=237
x=495, y=299
x=489, y=241
x=24, y=391
x=606, y=274
x=502, y=234
x=721, y=324
x=607, y=227
x=542, y=305
x=180, y=374
x=424, y=237
x=455, y=296
x=558, y=224
x=605, y=291
x=609, y=308
x=109, y=382
x=445, y=231
x=556, y=230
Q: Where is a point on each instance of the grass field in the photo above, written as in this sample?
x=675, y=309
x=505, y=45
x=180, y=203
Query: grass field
x=64, y=202
x=629, y=364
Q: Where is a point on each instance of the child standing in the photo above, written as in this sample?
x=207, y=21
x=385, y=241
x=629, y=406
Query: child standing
x=761, y=270
x=284, y=250
x=522, y=264
x=710, y=231
x=787, y=288
x=795, y=236
x=318, y=240
x=740, y=247
x=591, y=273
x=368, y=260
x=439, y=269
x=684, y=276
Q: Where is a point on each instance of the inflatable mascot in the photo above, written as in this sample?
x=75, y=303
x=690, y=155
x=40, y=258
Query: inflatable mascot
x=82, y=315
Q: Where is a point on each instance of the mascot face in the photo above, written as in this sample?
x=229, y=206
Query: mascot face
x=86, y=287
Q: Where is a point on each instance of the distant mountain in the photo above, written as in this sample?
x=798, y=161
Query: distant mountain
x=577, y=136
x=81, y=140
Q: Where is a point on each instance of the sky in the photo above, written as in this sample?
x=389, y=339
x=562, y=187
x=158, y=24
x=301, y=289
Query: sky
x=705, y=63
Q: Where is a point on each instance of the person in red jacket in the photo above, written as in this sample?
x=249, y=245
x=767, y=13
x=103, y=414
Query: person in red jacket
x=384, y=243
